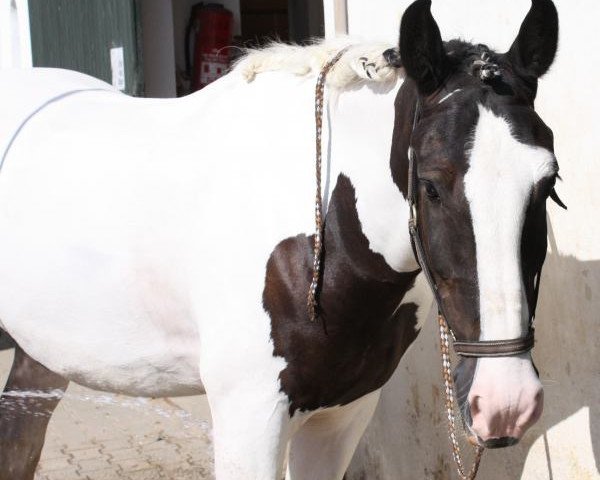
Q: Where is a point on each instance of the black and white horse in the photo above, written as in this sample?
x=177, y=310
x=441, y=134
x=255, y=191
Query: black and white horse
x=164, y=247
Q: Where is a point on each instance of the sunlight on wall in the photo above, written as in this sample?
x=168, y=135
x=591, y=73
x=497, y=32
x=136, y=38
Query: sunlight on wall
x=549, y=456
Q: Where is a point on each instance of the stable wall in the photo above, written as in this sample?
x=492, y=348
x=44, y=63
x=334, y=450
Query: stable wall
x=407, y=438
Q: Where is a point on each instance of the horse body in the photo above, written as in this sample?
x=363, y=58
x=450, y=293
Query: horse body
x=164, y=247
x=136, y=236
x=123, y=300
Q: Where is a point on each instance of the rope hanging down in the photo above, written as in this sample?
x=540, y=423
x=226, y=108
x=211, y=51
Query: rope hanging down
x=449, y=394
x=313, y=302
x=444, y=329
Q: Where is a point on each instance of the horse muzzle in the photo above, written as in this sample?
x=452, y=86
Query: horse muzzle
x=505, y=399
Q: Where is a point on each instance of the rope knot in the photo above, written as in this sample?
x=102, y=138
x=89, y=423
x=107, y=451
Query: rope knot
x=484, y=68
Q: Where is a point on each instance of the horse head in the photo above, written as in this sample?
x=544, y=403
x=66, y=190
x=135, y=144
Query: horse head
x=484, y=167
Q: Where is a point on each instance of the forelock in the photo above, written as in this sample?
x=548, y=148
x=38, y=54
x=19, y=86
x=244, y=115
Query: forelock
x=476, y=60
x=488, y=68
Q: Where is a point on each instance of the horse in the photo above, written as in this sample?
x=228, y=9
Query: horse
x=166, y=247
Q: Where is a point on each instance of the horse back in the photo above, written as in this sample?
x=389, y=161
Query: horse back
x=25, y=91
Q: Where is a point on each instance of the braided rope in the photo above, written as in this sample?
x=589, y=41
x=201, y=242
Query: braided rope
x=450, y=406
x=312, y=301
x=485, y=69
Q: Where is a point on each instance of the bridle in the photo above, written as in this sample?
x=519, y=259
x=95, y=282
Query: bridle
x=465, y=348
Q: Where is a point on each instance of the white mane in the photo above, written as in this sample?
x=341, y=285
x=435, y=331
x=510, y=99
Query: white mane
x=363, y=62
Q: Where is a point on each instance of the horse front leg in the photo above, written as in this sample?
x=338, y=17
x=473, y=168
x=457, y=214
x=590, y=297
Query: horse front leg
x=24, y=418
x=324, y=445
x=251, y=431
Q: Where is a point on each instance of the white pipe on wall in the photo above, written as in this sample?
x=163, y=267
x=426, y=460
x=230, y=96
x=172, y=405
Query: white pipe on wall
x=15, y=37
x=22, y=7
x=6, y=35
x=336, y=18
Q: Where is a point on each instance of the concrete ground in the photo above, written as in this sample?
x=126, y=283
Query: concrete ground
x=97, y=436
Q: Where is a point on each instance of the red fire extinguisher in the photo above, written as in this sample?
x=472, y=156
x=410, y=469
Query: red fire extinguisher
x=210, y=30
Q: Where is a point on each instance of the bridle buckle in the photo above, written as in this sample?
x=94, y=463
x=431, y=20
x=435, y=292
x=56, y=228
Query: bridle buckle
x=413, y=215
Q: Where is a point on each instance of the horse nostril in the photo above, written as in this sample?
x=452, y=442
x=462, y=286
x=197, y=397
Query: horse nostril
x=474, y=404
x=539, y=396
x=536, y=411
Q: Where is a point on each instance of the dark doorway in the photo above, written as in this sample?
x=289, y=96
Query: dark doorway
x=294, y=21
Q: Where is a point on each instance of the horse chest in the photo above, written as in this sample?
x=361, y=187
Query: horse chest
x=363, y=327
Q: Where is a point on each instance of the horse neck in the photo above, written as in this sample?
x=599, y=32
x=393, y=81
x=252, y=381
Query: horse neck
x=366, y=171
x=405, y=107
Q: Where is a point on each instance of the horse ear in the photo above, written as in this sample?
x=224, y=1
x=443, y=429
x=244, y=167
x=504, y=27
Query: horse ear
x=421, y=48
x=535, y=46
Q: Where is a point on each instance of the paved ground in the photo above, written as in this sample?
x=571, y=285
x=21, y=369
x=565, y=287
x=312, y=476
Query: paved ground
x=98, y=436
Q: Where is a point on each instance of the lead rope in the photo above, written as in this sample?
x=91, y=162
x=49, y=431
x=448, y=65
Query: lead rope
x=312, y=301
x=450, y=406
x=444, y=329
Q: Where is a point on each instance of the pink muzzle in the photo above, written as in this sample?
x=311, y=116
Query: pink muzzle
x=505, y=399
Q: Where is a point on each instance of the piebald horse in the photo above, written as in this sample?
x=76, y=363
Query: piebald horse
x=164, y=247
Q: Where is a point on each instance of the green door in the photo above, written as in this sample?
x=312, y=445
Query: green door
x=99, y=37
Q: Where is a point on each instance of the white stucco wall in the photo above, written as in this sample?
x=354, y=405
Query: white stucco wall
x=407, y=439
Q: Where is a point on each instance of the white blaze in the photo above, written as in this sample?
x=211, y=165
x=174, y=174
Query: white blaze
x=502, y=172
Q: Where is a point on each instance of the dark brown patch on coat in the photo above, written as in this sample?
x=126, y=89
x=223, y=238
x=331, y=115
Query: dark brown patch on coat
x=356, y=343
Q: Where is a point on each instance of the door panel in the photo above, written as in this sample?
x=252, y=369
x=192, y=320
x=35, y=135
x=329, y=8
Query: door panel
x=79, y=35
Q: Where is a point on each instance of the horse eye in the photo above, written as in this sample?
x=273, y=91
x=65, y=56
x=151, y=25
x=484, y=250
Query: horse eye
x=431, y=191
